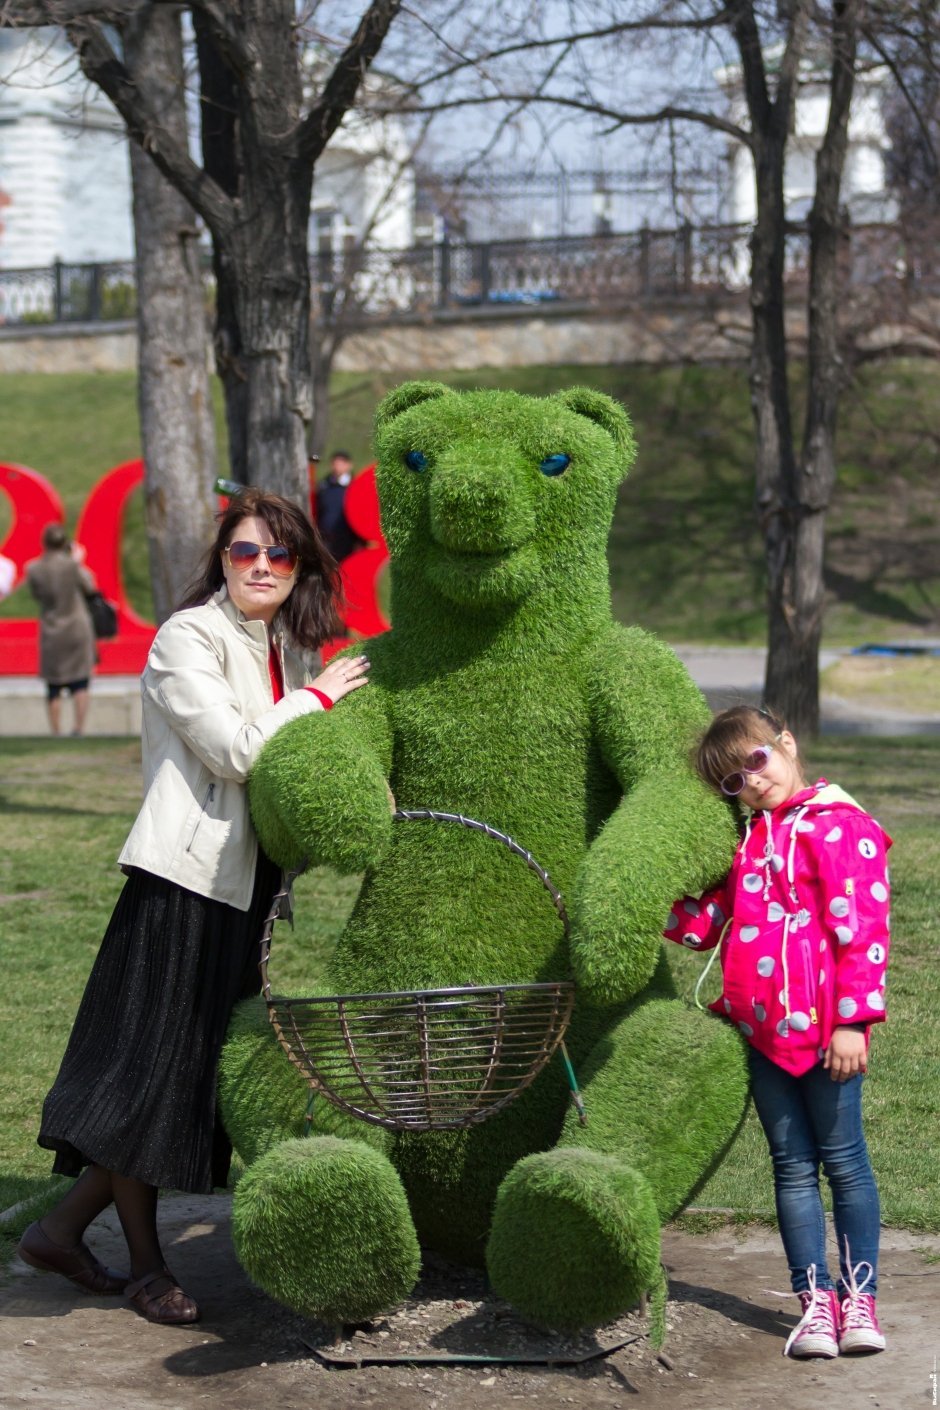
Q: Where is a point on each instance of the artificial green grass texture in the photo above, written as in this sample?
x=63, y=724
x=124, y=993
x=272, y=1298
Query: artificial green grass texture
x=506, y=692
x=575, y=1238
x=699, y=1099
x=352, y=1254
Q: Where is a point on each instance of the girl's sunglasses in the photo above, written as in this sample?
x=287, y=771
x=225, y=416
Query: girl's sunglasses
x=281, y=559
x=755, y=763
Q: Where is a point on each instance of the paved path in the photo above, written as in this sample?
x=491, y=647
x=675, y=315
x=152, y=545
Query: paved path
x=727, y=675
x=730, y=675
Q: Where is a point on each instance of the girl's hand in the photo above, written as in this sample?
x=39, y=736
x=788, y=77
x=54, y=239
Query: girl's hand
x=343, y=674
x=847, y=1054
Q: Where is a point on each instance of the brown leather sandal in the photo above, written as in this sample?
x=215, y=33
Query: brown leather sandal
x=78, y=1264
x=170, y=1308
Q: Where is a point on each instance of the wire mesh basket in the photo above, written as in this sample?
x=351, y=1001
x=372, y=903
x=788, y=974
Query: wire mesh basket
x=423, y=1060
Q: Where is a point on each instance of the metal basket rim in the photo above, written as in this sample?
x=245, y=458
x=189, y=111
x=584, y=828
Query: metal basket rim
x=416, y=995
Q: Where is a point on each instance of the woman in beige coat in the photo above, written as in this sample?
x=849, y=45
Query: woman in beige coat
x=66, y=637
x=133, y=1108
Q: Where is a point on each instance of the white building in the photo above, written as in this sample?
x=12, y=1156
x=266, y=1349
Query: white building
x=64, y=168
x=364, y=183
x=864, y=185
x=65, y=174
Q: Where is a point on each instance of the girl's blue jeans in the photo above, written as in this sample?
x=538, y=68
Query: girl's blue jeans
x=811, y=1121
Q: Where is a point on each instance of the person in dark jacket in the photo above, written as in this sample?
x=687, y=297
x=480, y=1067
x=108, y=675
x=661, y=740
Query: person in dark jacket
x=330, y=507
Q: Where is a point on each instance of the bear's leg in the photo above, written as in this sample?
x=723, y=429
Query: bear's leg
x=323, y=1226
x=575, y=1238
x=575, y=1234
x=666, y=1090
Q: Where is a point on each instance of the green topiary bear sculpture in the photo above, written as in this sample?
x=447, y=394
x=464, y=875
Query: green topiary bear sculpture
x=506, y=692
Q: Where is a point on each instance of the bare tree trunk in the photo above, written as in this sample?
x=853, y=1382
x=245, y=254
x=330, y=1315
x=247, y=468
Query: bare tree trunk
x=325, y=344
x=176, y=422
x=319, y=433
x=272, y=302
x=775, y=467
x=261, y=261
x=791, y=679
x=218, y=100
x=825, y=374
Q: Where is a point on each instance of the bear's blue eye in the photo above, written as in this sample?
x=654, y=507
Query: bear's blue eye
x=555, y=464
x=416, y=460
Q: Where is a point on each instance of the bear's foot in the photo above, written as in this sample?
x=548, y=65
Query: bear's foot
x=575, y=1239
x=323, y=1226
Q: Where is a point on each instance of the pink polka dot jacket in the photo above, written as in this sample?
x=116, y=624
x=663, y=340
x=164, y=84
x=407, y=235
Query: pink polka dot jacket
x=802, y=919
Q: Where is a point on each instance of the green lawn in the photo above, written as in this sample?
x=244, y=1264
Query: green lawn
x=65, y=807
x=686, y=556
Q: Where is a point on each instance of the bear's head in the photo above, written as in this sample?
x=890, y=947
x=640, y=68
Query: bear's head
x=486, y=494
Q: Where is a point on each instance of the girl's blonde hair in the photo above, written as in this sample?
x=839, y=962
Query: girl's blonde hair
x=729, y=736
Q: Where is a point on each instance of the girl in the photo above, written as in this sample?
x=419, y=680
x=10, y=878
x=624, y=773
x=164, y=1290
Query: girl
x=803, y=922
x=133, y=1106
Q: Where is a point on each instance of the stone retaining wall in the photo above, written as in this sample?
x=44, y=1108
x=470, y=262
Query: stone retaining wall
x=707, y=330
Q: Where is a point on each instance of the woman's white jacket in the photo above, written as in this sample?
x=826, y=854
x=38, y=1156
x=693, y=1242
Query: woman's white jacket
x=208, y=709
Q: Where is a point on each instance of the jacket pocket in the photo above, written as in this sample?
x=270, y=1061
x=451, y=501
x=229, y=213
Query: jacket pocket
x=209, y=795
x=809, y=961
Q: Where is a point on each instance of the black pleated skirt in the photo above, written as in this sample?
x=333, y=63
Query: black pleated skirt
x=136, y=1091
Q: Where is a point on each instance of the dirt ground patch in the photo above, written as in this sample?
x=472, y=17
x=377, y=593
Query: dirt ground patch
x=63, y=1350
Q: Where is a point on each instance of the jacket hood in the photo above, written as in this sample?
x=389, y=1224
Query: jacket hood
x=820, y=796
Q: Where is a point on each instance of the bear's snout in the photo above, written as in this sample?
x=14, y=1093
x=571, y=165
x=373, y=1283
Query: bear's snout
x=480, y=508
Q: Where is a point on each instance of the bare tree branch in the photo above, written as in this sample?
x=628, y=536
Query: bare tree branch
x=28, y=14
x=682, y=26
x=31, y=14
x=614, y=116
x=898, y=75
x=754, y=75
x=101, y=64
x=341, y=87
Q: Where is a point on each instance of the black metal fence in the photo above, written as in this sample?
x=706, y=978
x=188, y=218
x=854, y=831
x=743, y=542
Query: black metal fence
x=642, y=265
x=68, y=293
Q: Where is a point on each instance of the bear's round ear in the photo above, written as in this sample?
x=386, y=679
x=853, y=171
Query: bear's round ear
x=407, y=395
x=609, y=414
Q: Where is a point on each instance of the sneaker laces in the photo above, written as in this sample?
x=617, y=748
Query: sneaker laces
x=817, y=1316
x=857, y=1307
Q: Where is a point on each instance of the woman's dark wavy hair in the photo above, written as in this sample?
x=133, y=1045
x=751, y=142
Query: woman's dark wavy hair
x=311, y=614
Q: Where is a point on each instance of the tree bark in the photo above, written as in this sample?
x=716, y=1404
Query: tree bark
x=218, y=109
x=797, y=654
x=176, y=421
x=793, y=531
x=261, y=266
x=322, y=356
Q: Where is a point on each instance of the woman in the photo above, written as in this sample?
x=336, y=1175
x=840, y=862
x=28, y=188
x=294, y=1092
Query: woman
x=133, y=1106
x=66, y=637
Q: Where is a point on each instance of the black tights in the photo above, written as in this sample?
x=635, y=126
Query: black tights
x=136, y=1204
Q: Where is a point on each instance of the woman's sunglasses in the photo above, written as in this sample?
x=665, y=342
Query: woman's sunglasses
x=281, y=559
x=755, y=763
